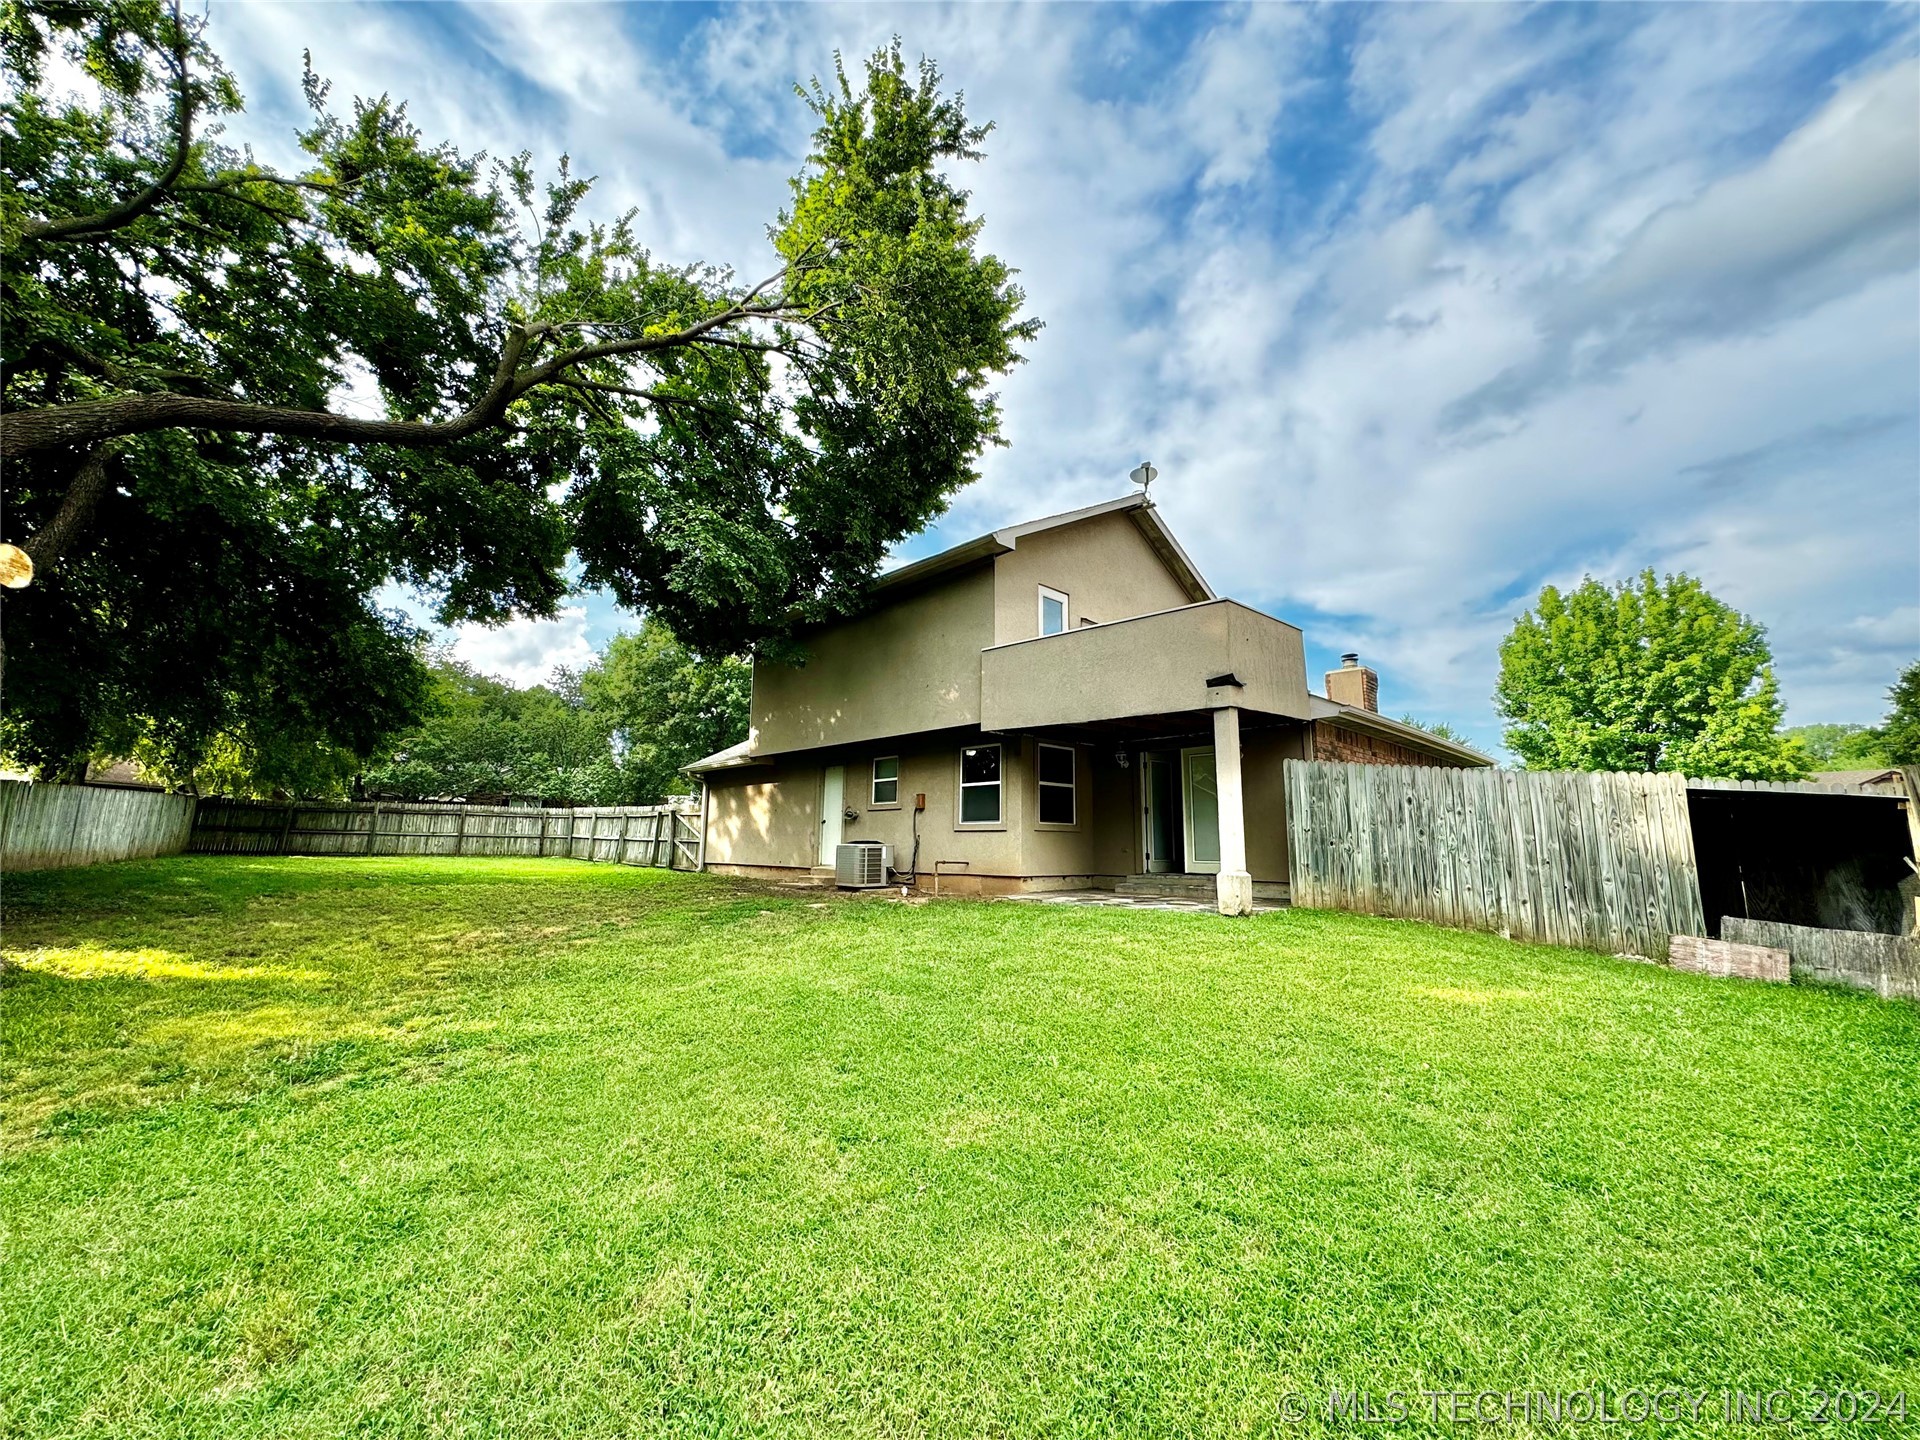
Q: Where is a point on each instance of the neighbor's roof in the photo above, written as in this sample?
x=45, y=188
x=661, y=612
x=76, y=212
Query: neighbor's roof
x=1137, y=507
x=1884, y=775
x=1398, y=731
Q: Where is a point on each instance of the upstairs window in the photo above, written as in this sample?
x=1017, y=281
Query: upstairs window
x=1054, y=764
x=1053, y=611
x=886, y=780
x=980, y=785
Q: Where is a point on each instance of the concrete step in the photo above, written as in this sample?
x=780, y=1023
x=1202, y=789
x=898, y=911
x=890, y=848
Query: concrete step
x=1192, y=887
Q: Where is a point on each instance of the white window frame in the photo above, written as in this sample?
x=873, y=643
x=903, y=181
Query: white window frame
x=1047, y=592
x=874, y=802
x=962, y=785
x=1041, y=786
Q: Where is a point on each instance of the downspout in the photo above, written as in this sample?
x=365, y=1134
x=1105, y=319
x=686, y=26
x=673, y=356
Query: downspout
x=701, y=863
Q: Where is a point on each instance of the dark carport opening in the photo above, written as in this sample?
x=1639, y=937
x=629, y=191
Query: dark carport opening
x=1831, y=860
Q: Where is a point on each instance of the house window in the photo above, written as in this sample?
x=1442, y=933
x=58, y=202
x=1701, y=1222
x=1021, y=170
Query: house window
x=886, y=780
x=980, y=785
x=1055, y=770
x=1053, y=611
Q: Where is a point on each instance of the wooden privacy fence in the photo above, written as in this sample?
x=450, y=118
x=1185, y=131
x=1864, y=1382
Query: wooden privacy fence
x=667, y=836
x=46, y=826
x=1602, y=861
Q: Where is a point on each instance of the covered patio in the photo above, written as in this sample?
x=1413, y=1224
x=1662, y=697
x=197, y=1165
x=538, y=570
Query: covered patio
x=1168, y=692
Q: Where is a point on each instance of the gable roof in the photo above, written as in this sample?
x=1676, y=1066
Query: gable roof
x=1136, y=507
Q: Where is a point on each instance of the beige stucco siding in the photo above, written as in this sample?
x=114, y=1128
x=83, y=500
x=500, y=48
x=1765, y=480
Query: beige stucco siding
x=909, y=667
x=1150, y=665
x=769, y=815
x=1104, y=566
x=1263, y=754
x=763, y=815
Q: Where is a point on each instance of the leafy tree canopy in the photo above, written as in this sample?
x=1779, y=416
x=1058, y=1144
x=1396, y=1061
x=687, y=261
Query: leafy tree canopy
x=181, y=328
x=1840, y=747
x=666, y=707
x=486, y=740
x=617, y=733
x=1652, y=674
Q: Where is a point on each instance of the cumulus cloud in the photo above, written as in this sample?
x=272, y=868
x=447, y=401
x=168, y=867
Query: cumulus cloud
x=527, y=652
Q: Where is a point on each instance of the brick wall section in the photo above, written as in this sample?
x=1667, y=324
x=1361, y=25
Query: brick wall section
x=1725, y=958
x=1335, y=742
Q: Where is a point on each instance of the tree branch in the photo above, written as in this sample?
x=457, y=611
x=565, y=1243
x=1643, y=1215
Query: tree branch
x=84, y=492
x=105, y=222
x=88, y=422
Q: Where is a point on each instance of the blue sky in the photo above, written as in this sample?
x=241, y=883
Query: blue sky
x=1414, y=308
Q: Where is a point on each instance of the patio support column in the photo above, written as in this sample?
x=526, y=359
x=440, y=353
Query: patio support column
x=1234, y=885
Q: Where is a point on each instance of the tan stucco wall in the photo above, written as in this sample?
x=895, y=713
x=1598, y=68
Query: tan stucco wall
x=768, y=816
x=1155, y=664
x=911, y=666
x=1263, y=791
x=1103, y=565
x=763, y=815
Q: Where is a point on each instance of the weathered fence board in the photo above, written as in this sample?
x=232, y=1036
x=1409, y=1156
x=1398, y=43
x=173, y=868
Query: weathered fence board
x=1602, y=861
x=653, y=835
x=43, y=827
x=1888, y=965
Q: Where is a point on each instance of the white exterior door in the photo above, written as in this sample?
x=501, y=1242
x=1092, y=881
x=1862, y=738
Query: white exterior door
x=1200, y=788
x=833, y=806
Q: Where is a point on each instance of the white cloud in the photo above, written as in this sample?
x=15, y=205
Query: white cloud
x=526, y=651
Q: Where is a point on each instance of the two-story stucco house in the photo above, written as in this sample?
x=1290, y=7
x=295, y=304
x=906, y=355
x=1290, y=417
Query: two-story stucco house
x=1061, y=704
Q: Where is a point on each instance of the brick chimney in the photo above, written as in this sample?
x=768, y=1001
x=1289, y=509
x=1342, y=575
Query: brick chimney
x=1354, y=684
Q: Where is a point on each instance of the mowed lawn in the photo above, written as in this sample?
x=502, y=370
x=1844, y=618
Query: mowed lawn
x=395, y=1148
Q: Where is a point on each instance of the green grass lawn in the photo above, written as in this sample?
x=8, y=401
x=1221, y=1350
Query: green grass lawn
x=394, y=1147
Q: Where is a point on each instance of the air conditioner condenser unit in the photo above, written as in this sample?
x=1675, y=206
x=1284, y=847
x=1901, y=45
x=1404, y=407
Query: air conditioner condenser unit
x=861, y=865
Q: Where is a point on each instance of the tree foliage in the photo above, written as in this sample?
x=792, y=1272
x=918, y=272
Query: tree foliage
x=616, y=733
x=485, y=740
x=237, y=400
x=666, y=707
x=1839, y=747
x=1438, y=728
x=1899, y=733
x=1653, y=674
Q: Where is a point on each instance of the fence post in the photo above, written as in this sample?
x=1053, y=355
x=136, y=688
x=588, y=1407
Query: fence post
x=373, y=826
x=460, y=834
x=626, y=832
x=286, y=830
x=543, y=835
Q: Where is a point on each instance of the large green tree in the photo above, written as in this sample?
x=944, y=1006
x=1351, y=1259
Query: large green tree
x=234, y=401
x=666, y=707
x=1651, y=674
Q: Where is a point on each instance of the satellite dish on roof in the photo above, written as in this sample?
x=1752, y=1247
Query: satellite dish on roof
x=1143, y=474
